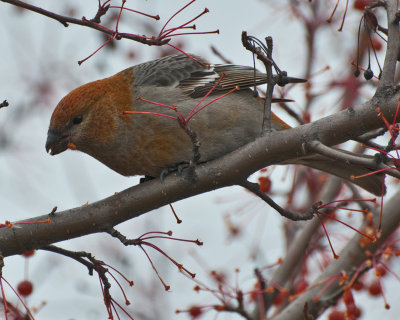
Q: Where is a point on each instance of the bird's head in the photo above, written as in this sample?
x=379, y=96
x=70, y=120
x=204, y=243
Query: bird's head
x=88, y=117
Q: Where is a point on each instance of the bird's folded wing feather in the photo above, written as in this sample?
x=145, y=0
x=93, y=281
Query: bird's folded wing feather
x=195, y=78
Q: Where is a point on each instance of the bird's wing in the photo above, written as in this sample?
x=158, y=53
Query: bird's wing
x=195, y=78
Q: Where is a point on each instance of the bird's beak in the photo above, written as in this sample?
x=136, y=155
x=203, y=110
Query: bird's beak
x=56, y=142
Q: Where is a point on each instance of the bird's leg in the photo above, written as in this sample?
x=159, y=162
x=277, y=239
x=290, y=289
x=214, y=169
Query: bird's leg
x=176, y=168
x=185, y=164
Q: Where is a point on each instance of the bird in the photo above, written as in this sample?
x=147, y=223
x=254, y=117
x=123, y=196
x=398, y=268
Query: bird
x=96, y=118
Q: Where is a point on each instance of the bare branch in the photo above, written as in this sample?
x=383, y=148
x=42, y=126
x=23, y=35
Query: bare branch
x=255, y=188
x=393, y=48
x=352, y=255
x=78, y=256
x=64, y=20
x=299, y=245
x=348, y=157
x=226, y=171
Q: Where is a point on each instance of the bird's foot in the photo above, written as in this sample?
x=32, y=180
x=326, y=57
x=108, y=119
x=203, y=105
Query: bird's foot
x=178, y=168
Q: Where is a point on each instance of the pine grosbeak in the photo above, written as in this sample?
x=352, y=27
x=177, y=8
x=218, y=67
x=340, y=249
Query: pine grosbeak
x=91, y=119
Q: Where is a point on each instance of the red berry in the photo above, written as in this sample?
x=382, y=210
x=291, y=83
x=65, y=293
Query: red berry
x=377, y=44
x=336, y=315
x=361, y=4
x=279, y=299
x=357, y=286
x=28, y=253
x=25, y=288
x=301, y=286
x=380, y=270
x=265, y=184
x=375, y=288
x=357, y=312
x=348, y=298
x=195, y=311
x=307, y=117
x=131, y=54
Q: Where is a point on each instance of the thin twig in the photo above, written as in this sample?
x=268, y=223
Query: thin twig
x=4, y=104
x=78, y=256
x=91, y=263
x=371, y=135
x=300, y=244
x=255, y=188
x=65, y=21
x=318, y=147
x=364, y=160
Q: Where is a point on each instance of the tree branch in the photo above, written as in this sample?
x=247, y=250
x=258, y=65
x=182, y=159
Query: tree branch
x=350, y=257
x=299, y=246
x=353, y=255
x=362, y=160
x=393, y=48
x=226, y=171
x=255, y=188
x=64, y=20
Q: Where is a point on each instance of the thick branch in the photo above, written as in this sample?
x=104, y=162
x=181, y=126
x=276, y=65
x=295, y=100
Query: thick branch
x=393, y=48
x=226, y=171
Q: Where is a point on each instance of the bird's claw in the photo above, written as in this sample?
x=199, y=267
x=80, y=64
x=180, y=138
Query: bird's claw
x=178, y=168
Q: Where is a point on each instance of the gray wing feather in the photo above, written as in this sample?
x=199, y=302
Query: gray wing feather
x=167, y=71
x=193, y=78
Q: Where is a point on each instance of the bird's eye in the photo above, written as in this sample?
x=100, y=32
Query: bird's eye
x=78, y=119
